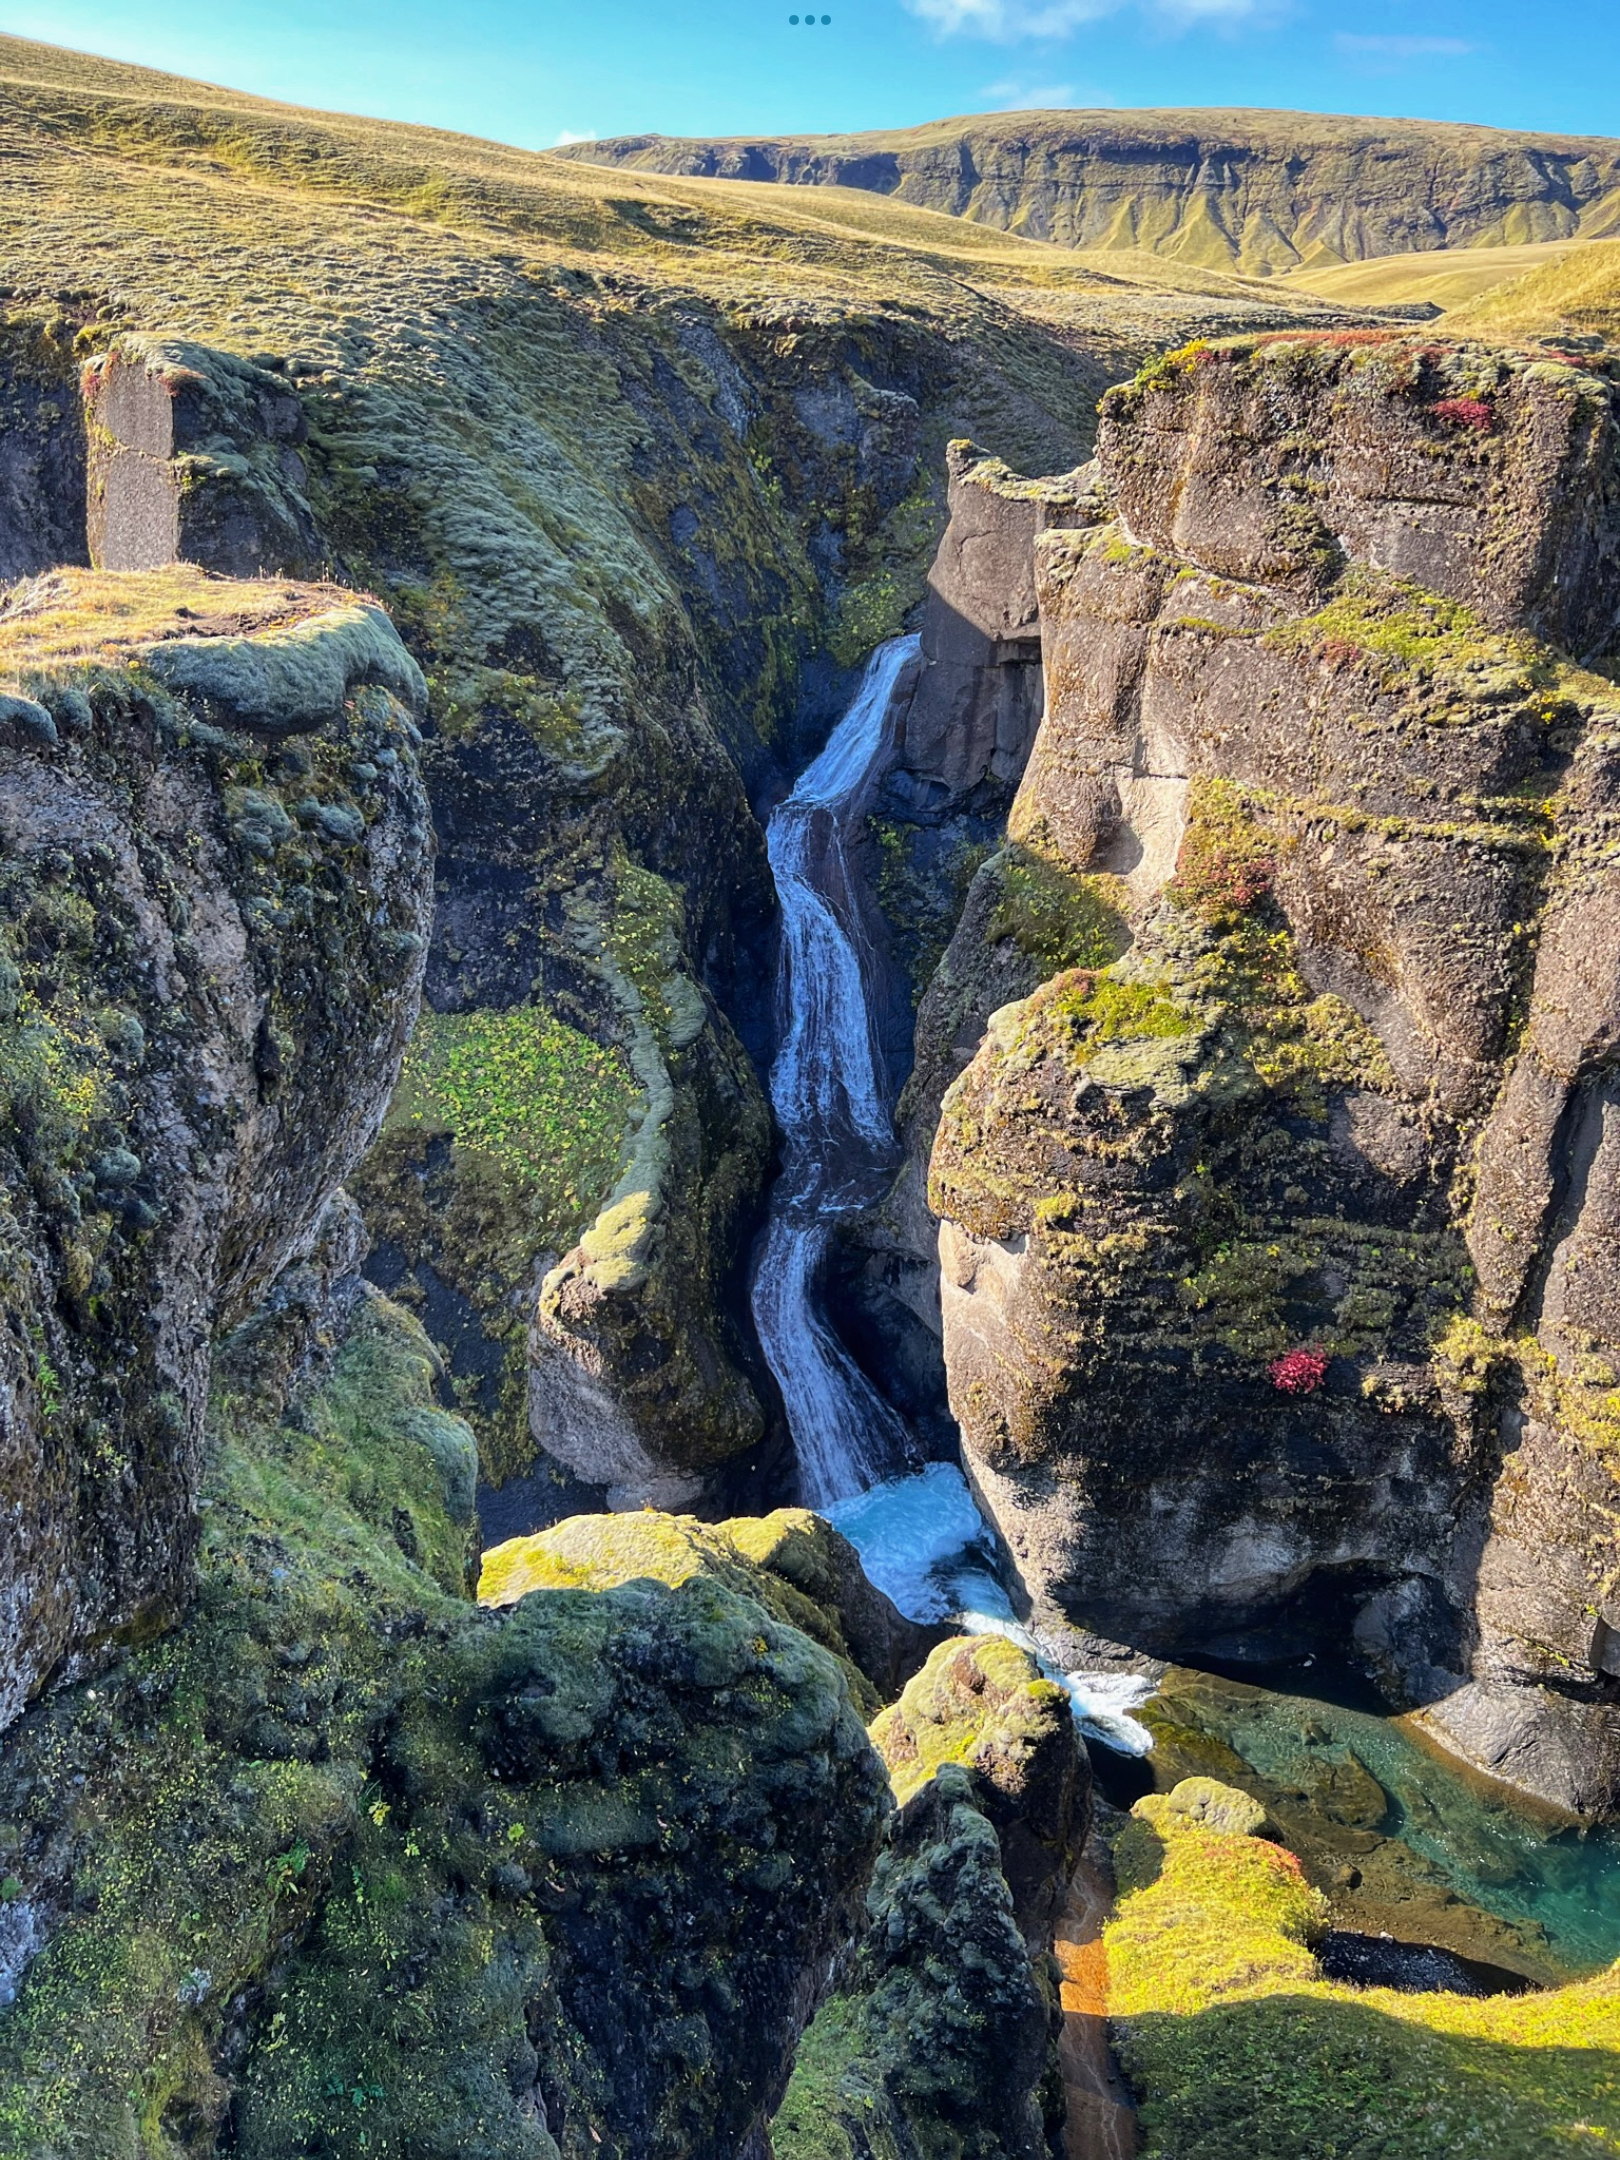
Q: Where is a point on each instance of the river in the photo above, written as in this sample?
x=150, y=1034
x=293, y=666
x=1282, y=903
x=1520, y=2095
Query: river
x=920, y=1534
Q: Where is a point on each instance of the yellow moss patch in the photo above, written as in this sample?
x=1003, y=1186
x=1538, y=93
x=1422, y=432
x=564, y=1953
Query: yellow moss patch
x=977, y=1694
x=782, y=1559
x=1236, y=2044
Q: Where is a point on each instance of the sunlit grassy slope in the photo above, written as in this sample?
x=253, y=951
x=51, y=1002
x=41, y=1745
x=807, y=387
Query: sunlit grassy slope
x=1578, y=294
x=1252, y=191
x=1445, y=277
x=1236, y=2045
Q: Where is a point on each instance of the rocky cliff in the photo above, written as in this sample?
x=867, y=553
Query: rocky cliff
x=216, y=889
x=640, y=478
x=1274, y=1290
x=345, y=1863
x=1256, y=191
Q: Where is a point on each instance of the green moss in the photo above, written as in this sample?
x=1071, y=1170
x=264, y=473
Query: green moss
x=1385, y=619
x=976, y=1696
x=535, y=1097
x=241, y=1749
x=782, y=1559
x=1105, y=1010
x=1057, y=918
x=1234, y=2043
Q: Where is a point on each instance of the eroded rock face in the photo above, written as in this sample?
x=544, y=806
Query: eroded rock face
x=1248, y=190
x=564, y=1878
x=1276, y=1256
x=940, y=2033
x=213, y=940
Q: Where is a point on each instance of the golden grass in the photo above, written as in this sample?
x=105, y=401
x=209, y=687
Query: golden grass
x=71, y=616
x=1578, y=294
x=1446, y=277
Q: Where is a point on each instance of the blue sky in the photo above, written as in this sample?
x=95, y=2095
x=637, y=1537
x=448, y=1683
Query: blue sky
x=538, y=71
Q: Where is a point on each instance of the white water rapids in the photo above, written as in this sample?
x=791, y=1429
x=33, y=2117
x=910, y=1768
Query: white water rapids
x=920, y=1536
x=831, y=1102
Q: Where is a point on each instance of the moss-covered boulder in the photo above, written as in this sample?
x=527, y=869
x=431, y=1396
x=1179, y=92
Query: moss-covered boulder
x=795, y=1564
x=939, y=2040
x=344, y=1865
x=983, y=1703
x=213, y=927
x=939, y=2037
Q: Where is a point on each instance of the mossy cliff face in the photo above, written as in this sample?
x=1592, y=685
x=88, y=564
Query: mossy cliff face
x=216, y=888
x=1271, y=1251
x=938, y=2038
x=344, y=1865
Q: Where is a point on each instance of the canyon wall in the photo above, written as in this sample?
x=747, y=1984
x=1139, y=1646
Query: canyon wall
x=216, y=896
x=1273, y=1233
x=1252, y=191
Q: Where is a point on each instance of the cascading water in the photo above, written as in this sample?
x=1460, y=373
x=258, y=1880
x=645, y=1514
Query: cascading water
x=921, y=1537
x=838, y=1144
x=919, y=1533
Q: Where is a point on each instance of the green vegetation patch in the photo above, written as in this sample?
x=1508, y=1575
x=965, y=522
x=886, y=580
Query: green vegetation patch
x=1055, y=916
x=1103, y=1009
x=979, y=1696
x=1372, y=616
x=537, y=1097
x=1235, y=2044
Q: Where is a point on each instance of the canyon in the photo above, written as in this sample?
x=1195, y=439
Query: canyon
x=807, y=1026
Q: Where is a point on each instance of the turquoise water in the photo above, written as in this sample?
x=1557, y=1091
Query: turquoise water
x=1493, y=1850
x=923, y=1541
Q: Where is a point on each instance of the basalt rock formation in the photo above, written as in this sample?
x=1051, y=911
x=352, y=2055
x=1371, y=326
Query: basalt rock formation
x=216, y=896
x=352, y=1865
x=1274, y=1258
x=1256, y=191
x=939, y=2035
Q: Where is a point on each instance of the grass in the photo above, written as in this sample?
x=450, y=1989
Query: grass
x=1578, y=293
x=73, y=617
x=1444, y=277
x=1236, y=2044
x=538, y=1098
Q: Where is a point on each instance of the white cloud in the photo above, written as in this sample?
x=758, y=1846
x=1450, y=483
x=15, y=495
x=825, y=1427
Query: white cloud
x=1404, y=48
x=568, y=136
x=1007, y=21
x=1032, y=97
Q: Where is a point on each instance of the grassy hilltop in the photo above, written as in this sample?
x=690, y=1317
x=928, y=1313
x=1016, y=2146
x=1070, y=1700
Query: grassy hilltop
x=1258, y=192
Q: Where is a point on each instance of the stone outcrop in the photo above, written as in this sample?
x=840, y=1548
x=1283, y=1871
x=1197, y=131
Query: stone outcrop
x=1254, y=191
x=215, y=927
x=350, y=1864
x=940, y=2034
x=1274, y=1254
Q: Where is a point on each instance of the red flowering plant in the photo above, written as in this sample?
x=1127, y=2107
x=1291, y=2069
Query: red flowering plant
x=1466, y=412
x=1300, y=1372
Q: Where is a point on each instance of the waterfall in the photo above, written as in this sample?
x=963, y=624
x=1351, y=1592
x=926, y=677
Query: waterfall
x=830, y=1096
x=920, y=1535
